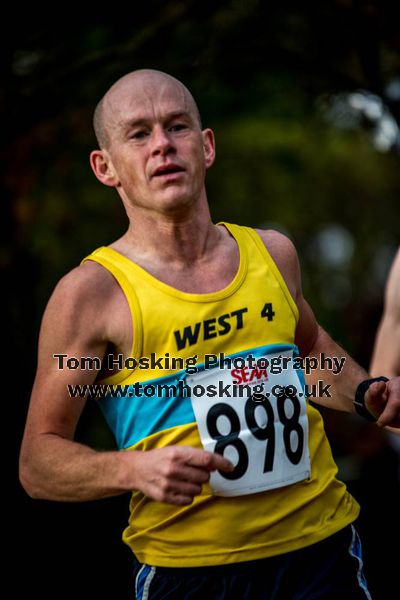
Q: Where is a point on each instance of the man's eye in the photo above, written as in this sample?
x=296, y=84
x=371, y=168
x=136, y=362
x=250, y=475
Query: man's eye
x=178, y=127
x=138, y=135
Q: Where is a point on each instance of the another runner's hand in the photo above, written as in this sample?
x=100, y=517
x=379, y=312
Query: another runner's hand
x=382, y=399
x=175, y=474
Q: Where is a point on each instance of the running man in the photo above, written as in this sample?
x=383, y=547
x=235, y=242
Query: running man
x=234, y=494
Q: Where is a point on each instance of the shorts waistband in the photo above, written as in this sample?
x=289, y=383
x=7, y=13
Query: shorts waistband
x=251, y=565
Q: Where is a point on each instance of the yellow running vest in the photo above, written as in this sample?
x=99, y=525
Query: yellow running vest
x=256, y=316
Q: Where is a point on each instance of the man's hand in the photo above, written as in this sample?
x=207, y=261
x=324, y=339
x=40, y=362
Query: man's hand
x=382, y=399
x=175, y=474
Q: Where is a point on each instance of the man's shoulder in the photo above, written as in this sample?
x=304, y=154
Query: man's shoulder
x=87, y=287
x=284, y=255
x=277, y=243
x=282, y=251
x=280, y=246
x=86, y=277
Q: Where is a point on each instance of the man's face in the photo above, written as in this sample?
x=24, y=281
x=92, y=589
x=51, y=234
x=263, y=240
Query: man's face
x=157, y=149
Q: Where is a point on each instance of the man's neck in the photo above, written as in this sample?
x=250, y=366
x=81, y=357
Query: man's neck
x=179, y=239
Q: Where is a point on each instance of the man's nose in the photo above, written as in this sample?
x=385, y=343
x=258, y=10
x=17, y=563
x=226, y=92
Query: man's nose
x=162, y=142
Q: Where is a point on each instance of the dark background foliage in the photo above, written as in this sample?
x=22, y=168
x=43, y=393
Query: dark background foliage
x=304, y=100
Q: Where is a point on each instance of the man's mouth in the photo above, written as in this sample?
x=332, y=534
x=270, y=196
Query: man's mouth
x=170, y=169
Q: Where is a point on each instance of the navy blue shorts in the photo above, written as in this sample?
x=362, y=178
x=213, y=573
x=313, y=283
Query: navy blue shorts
x=328, y=570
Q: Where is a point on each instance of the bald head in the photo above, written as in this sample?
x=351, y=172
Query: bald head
x=130, y=90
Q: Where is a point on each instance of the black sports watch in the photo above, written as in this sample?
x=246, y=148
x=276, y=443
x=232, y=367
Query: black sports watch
x=359, y=399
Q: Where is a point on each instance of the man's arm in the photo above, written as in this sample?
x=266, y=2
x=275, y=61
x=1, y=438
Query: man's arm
x=382, y=399
x=386, y=354
x=77, y=322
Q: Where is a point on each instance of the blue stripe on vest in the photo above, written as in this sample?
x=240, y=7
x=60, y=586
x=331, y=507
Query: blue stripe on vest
x=133, y=418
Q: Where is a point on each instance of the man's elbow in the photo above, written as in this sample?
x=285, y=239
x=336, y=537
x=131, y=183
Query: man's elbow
x=29, y=479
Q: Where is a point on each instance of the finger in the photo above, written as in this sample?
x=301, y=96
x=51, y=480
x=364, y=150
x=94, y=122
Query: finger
x=193, y=474
x=220, y=463
x=390, y=416
x=179, y=499
x=210, y=461
x=389, y=413
x=376, y=398
x=217, y=462
x=182, y=493
x=395, y=429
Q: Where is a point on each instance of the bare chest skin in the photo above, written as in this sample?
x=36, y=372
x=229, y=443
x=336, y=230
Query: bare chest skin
x=203, y=277
x=211, y=274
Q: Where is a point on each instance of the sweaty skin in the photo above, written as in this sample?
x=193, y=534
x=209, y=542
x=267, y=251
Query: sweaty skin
x=155, y=154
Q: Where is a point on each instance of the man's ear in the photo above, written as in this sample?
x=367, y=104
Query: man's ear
x=102, y=168
x=209, y=146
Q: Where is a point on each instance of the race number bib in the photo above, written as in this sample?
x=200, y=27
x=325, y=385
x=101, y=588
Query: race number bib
x=255, y=419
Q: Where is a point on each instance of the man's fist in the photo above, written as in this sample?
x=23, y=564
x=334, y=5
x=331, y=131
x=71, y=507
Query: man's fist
x=382, y=399
x=174, y=474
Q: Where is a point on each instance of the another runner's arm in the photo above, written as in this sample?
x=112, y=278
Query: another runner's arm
x=386, y=354
x=55, y=467
x=381, y=399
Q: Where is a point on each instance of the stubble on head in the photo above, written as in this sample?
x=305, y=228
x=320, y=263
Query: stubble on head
x=108, y=114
